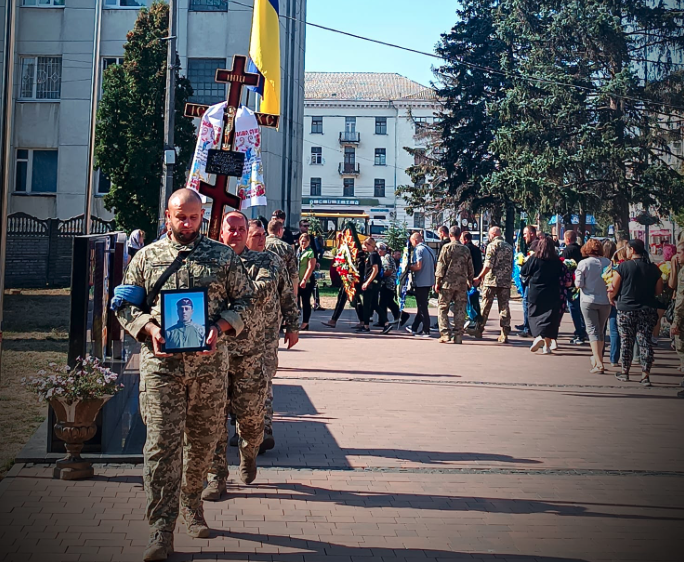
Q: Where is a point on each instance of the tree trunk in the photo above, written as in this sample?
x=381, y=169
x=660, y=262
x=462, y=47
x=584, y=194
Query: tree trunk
x=582, y=226
x=495, y=215
x=620, y=214
x=510, y=222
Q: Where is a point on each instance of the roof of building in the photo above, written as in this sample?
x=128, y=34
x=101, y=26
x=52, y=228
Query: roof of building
x=372, y=86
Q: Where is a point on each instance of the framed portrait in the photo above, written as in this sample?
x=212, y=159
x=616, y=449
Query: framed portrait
x=184, y=322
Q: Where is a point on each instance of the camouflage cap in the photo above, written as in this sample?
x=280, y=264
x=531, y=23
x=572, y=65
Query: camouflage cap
x=185, y=302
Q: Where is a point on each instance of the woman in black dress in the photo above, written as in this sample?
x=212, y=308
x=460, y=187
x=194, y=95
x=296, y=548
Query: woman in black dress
x=545, y=274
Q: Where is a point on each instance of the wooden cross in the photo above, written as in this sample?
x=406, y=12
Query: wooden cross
x=236, y=78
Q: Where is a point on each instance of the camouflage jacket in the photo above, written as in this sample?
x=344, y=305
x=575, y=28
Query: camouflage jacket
x=286, y=253
x=263, y=270
x=499, y=260
x=211, y=265
x=679, y=301
x=282, y=307
x=455, y=267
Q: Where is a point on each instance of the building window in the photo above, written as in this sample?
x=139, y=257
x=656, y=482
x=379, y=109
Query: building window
x=350, y=124
x=381, y=125
x=315, y=187
x=35, y=171
x=127, y=3
x=421, y=122
x=379, y=189
x=104, y=184
x=201, y=73
x=349, y=156
x=348, y=187
x=316, y=155
x=41, y=78
x=418, y=220
x=208, y=5
x=380, y=157
x=46, y=3
x=317, y=125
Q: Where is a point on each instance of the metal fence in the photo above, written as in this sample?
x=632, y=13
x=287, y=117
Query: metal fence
x=39, y=251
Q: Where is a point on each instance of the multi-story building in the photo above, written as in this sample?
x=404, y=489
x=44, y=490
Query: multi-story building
x=356, y=126
x=55, y=41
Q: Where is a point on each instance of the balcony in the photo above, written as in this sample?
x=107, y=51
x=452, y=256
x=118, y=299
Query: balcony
x=350, y=138
x=347, y=169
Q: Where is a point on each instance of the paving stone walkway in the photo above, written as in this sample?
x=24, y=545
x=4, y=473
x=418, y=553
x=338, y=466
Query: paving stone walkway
x=399, y=448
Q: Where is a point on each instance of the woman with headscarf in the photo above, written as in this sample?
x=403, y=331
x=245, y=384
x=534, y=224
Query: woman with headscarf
x=135, y=242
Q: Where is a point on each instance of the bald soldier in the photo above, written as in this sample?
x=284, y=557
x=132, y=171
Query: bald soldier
x=247, y=384
x=182, y=394
x=285, y=251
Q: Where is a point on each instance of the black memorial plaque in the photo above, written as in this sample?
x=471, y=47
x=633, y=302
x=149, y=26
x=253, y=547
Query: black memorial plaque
x=225, y=162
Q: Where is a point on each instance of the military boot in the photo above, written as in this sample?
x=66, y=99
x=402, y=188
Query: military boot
x=268, y=443
x=476, y=332
x=214, y=490
x=248, y=466
x=159, y=547
x=195, y=522
x=458, y=339
x=503, y=338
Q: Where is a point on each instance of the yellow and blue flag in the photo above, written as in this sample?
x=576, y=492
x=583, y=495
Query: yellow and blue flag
x=264, y=53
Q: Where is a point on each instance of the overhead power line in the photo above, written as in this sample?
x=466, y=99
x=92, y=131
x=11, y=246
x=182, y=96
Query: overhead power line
x=512, y=75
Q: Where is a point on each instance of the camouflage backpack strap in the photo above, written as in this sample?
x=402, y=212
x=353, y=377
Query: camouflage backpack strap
x=163, y=278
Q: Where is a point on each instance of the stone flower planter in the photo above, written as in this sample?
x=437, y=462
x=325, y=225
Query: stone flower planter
x=75, y=425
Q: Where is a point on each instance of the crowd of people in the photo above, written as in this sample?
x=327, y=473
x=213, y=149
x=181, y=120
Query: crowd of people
x=259, y=280
x=608, y=289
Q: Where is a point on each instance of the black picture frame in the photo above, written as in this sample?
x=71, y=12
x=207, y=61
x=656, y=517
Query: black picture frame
x=170, y=317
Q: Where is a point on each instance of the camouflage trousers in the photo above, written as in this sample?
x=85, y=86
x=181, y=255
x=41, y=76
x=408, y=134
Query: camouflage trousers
x=245, y=397
x=178, y=404
x=270, y=369
x=679, y=347
x=503, y=298
x=459, y=296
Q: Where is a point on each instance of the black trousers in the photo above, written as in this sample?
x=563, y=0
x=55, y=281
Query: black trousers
x=387, y=300
x=369, y=298
x=423, y=314
x=305, y=301
x=339, y=305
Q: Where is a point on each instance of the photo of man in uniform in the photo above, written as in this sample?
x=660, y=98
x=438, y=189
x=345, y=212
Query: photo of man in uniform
x=185, y=334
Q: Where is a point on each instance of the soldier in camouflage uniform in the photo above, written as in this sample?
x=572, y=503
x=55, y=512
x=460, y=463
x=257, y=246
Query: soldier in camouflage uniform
x=182, y=394
x=284, y=250
x=246, y=384
x=453, y=278
x=280, y=311
x=677, y=329
x=497, y=274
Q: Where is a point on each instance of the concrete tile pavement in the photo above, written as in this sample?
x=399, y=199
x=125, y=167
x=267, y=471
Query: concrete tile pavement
x=397, y=448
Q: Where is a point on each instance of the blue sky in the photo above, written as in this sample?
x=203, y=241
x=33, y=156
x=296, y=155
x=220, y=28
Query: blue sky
x=411, y=23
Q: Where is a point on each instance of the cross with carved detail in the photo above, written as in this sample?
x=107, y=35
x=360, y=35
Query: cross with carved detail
x=236, y=78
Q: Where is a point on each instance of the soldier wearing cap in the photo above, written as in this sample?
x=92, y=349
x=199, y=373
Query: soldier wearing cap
x=453, y=277
x=182, y=395
x=185, y=333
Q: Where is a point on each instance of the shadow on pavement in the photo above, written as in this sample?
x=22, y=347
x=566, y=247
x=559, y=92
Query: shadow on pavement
x=367, y=499
x=318, y=550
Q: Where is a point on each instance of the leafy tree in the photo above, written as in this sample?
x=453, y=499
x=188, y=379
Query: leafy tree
x=452, y=173
x=130, y=124
x=577, y=138
x=396, y=235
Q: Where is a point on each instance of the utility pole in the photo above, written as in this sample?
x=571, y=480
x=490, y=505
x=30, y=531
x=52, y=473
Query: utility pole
x=169, y=114
x=94, y=95
x=7, y=122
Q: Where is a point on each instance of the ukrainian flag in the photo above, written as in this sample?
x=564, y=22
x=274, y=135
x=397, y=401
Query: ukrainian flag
x=264, y=52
